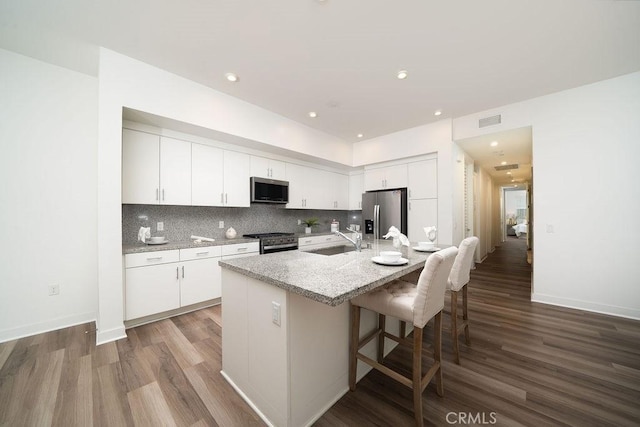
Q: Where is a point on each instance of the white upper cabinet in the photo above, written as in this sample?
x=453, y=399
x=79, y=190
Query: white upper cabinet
x=356, y=188
x=237, y=171
x=175, y=172
x=207, y=165
x=422, y=213
x=385, y=178
x=140, y=167
x=268, y=168
x=423, y=179
x=297, y=186
x=313, y=188
x=155, y=170
x=339, y=191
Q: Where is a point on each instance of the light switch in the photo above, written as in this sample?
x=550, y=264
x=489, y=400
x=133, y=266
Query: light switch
x=275, y=313
x=549, y=228
x=160, y=226
x=221, y=224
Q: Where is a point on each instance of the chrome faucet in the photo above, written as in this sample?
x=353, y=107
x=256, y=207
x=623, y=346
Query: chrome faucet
x=358, y=238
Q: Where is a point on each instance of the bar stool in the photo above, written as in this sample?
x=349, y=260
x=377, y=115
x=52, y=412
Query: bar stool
x=458, y=279
x=415, y=303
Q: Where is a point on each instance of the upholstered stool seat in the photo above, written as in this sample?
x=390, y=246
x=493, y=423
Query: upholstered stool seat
x=408, y=302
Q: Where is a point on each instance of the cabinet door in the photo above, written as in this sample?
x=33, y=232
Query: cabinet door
x=278, y=169
x=374, y=179
x=175, y=172
x=356, y=188
x=316, y=189
x=260, y=167
x=237, y=170
x=395, y=176
x=207, y=165
x=151, y=290
x=422, y=213
x=341, y=191
x=200, y=281
x=423, y=179
x=297, y=186
x=140, y=167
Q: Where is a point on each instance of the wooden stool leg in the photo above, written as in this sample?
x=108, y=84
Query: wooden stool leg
x=437, y=352
x=465, y=316
x=417, y=374
x=454, y=326
x=353, y=345
x=403, y=329
x=381, y=325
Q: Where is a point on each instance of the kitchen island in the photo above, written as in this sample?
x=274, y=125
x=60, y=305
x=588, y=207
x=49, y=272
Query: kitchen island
x=285, y=320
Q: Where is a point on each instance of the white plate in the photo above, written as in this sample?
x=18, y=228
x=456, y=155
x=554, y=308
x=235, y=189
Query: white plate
x=380, y=260
x=157, y=243
x=419, y=249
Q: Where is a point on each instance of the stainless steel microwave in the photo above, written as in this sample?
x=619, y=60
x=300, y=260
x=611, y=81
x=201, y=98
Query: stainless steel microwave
x=265, y=190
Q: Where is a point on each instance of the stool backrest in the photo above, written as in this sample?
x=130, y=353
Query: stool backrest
x=431, y=286
x=461, y=270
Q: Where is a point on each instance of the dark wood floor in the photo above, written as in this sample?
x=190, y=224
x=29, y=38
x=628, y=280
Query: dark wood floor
x=528, y=364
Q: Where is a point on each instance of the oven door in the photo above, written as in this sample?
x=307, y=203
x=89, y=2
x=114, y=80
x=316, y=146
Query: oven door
x=280, y=247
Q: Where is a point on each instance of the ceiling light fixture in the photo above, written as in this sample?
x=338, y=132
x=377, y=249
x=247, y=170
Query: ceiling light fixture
x=508, y=173
x=437, y=113
x=503, y=163
x=232, y=77
x=360, y=135
x=494, y=143
x=402, y=74
x=313, y=114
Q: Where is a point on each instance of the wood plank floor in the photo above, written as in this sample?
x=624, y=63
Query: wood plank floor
x=528, y=364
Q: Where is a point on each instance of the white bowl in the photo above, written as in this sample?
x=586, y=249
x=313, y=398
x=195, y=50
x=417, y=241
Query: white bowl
x=156, y=239
x=426, y=245
x=390, y=256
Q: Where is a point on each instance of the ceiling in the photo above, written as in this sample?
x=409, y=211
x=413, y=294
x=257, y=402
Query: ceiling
x=513, y=147
x=340, y=58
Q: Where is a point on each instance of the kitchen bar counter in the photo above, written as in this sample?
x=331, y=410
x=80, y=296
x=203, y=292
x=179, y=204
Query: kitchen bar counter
x=285, y=323
x=332, y=279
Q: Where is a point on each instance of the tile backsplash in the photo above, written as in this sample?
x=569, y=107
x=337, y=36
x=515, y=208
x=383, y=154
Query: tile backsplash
x=180, y=222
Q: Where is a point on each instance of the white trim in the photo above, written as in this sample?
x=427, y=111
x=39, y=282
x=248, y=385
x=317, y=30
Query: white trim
x=246, y=399
x=103, y=337
x=610, y=310
x=47, y=326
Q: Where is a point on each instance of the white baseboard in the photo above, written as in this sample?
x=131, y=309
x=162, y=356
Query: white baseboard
x=103, y=337
x=611, y=310
x=48, y=326
x=246, y=399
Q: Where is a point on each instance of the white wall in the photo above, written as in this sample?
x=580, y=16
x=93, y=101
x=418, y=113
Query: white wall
x=585, y=156
x=48, y=218
x=125, y=82
x=432, y=138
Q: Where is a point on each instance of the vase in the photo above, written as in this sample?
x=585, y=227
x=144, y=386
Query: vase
x=307, y=230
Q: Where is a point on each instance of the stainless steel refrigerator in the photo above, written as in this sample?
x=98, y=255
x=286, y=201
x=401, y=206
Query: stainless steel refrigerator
x=383, y=209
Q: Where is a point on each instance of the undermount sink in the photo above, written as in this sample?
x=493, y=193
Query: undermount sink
x=333, y=250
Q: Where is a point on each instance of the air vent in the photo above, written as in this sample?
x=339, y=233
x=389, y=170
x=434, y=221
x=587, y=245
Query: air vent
x=490, y=121
x=506, y=167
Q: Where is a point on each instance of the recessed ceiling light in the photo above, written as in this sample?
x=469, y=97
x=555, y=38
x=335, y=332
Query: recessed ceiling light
x=232, y=77
x=402, y=74
x=508, y=173
x=313, y=114
x=494, y=143
x=437, y=113
x=503, y=163
x=360, y=135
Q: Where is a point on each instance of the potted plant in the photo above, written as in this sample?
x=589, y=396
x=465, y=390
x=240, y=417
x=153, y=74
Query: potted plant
x=308, y=223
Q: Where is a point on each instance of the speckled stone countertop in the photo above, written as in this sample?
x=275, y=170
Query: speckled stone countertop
x=332, y=279
x=141, y=247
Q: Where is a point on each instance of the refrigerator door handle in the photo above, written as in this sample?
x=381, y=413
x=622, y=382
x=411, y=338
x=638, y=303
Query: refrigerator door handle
x=376, y=224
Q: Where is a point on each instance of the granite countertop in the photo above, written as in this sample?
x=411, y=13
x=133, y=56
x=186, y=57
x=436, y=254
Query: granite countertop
x=142, y=247
x=332, y=279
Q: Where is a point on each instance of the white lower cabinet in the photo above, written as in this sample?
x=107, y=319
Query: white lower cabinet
x=317, y=242
x=161, y=281
x=422, y=213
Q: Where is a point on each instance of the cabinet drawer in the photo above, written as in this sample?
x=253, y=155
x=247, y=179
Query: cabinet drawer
x=316, y=240
x=200, y=253
x=151, y=258
x=242, y=248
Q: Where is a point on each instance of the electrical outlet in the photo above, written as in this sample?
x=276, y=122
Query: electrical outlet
x=54, y=290
x=299, y=222
x=275, y=313
x=221, y=224
x=160, y=226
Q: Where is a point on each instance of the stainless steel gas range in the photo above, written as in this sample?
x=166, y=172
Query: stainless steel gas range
x=275, y=242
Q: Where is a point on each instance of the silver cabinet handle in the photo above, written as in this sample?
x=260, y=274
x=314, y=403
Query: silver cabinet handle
x=202, y=253
x=221, y=197
x=177, y=277
x=157, y=194
x=242, y=249
x=226, y=198
x=155, y=258
x=163, y=194
x=183, y=271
